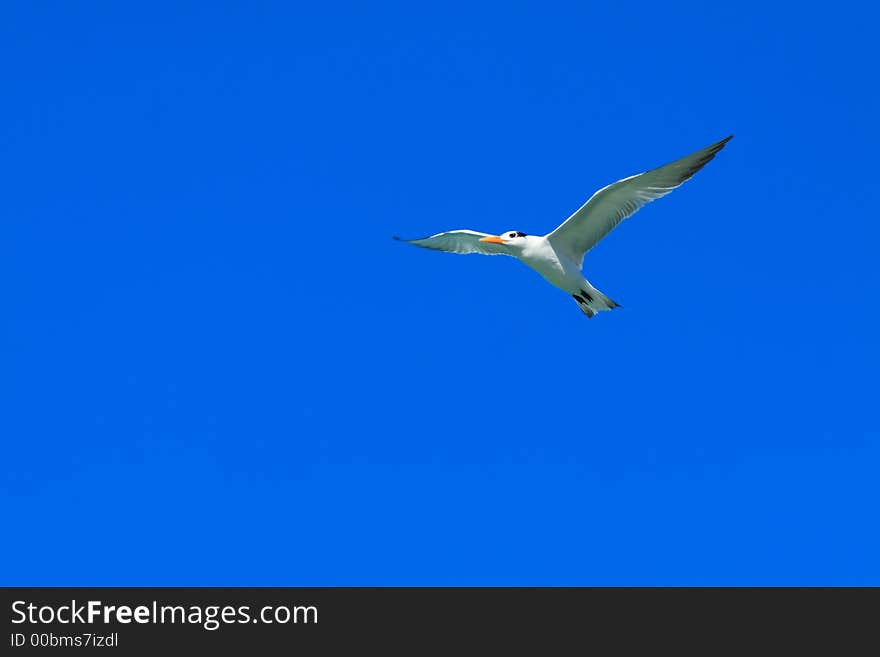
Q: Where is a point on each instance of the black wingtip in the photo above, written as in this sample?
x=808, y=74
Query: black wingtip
x=396, y=238
x=718, y=145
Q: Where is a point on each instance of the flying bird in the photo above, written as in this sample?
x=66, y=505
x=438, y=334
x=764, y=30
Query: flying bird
x=558, y=256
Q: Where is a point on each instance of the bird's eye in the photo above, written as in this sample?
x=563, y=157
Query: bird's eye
x=513, y=235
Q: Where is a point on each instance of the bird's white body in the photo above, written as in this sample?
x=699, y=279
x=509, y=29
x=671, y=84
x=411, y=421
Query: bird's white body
x=558, y=256
x=559, y=269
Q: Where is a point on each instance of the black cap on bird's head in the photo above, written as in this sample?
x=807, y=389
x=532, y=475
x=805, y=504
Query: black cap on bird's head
x=504, y=238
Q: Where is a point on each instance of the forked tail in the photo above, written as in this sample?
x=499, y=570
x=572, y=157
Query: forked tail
x=592, y=301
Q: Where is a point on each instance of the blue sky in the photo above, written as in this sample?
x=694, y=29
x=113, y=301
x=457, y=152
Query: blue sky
x=219, y=369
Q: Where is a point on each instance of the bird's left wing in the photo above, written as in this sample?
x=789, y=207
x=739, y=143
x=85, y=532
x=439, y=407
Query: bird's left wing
x=614, y=203
x=460, y=241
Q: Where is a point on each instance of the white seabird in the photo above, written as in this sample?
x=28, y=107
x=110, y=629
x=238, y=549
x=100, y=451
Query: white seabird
x=558, y=256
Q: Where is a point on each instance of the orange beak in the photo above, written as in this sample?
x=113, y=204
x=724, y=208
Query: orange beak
x=493, y=239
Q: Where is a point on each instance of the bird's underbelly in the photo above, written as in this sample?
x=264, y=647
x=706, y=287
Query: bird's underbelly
x=564, y=275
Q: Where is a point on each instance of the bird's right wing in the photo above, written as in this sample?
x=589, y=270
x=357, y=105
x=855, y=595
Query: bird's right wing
x=460, y=241
x=614, y=203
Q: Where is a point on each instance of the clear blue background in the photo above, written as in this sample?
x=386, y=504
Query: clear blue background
x=219, y=369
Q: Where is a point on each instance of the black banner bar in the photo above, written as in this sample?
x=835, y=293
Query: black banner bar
x=136, y=620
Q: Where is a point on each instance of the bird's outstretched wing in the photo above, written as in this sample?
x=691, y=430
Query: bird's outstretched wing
x=614, y=203
x=459, y=241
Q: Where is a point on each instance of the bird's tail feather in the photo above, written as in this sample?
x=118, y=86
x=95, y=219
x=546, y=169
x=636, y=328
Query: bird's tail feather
x=592, y=301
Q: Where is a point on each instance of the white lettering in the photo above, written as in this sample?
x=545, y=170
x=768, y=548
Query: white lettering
x=23, y=616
